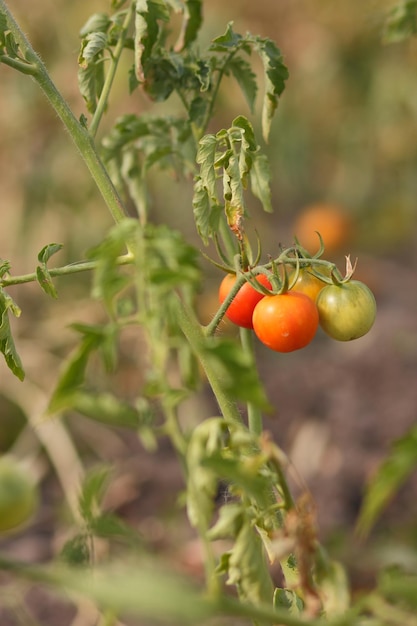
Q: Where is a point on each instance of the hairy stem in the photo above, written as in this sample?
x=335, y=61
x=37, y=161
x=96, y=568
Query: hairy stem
x=196, y=338
x=104, y=96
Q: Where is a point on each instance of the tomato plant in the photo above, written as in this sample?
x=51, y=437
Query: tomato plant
x=347, y=310
x=241, y=308
x=18, y=495
x=285, y=322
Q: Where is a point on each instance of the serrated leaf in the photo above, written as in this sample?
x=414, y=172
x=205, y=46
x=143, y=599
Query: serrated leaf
x=7, y=346
x=260, y=180
x=11, y=45
x=246, y=79
x=275, y=75
x=45, y=281
x=205, y=158
x=393, y=472
x=401, y=22
x=227, y=41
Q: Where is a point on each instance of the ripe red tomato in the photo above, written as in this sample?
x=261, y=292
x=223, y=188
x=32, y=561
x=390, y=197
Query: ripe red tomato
x=308, y=284
x=241, y=309
x=285, y=322
x=346, y=311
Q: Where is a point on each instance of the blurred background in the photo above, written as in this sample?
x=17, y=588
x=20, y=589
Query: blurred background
x=344, y=138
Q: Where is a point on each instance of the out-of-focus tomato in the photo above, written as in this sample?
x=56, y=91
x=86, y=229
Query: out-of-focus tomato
x=330, y=220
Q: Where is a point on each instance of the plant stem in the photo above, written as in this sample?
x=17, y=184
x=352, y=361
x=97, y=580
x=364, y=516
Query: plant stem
x=78, y=133
x=104, y=96
x=196, y=338
x=73, y=268
x=254, y=413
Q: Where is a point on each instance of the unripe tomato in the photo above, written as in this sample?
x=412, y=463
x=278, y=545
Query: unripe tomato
x=308, y=284
x=285, y=322
x=241, y=309
x=18, y=495
x=346, y=311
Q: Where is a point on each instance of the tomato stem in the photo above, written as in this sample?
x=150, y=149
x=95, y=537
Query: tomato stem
x=254, y=413
x=79, y=134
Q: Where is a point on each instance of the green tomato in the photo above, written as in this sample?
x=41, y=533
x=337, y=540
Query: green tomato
x=346, y=311
x=18, y=495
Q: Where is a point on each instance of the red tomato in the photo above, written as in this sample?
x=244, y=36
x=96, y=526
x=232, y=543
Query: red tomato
x=241, y=309
x=285, y=322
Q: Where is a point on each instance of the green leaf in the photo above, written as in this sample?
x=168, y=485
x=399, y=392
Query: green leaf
x=206, y=156
x=260, y=180
x=276, y=73
x=98, y=22
x=109, y=525
x=246, y=79
x=93, y=489
x=193, y=19
x=247, y=567
x=45, y=281
x=202, y=481
x=393, y=472
x=107, y=409
x=76, y=551
x=236, y=371
x=73, y=374
x=92, y=46
x=287, y=599
x=147, y=31
x=3, y=28
x=401, y=22
x=226, y=42
x=90, y=83
x=49, y=250
x=206, y=214
x=7, y=347
x=228, y=523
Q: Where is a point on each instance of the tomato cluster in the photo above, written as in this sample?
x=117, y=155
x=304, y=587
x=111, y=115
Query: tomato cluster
x=289, y=320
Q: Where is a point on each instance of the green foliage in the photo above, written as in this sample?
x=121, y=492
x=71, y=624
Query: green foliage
x=233, y=157
x=401, y=22
x=392, y=473
x=7, y=346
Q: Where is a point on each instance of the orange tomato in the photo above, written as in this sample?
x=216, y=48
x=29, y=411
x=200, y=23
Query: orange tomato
x=330, y=220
